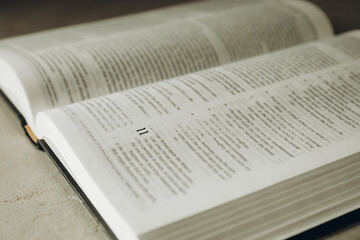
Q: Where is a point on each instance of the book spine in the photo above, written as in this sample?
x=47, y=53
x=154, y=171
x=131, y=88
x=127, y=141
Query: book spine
x=29, y=132
x=24, y=125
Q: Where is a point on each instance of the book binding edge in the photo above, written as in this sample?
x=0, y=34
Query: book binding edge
x=75, y=186
x=28, y=132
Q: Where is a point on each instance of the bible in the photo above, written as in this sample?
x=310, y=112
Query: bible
x=227, y=119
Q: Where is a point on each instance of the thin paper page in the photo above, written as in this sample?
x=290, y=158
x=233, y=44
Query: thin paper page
x=80, y=70
x=94, y=68
x=100, y=29
x=193, y=148
x=167, y=97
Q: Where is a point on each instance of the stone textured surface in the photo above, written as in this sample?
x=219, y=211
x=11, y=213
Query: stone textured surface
x=36, y=202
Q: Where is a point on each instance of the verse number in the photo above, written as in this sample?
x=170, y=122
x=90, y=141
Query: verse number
x=142, y=131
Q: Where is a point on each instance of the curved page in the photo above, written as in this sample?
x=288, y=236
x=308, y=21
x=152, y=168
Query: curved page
x=168, y=150
x=78, y=63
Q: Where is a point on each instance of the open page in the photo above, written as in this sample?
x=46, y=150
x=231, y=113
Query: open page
x=60, y=72
x=168, y=150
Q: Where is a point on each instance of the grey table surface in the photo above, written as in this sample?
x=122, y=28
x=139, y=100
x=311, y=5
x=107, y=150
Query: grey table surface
x=36, y=202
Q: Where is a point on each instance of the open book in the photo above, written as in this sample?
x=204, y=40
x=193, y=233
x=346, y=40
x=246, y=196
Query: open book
x=171, y=127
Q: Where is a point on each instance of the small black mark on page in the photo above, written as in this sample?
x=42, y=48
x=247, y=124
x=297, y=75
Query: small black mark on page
x=142, y=131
